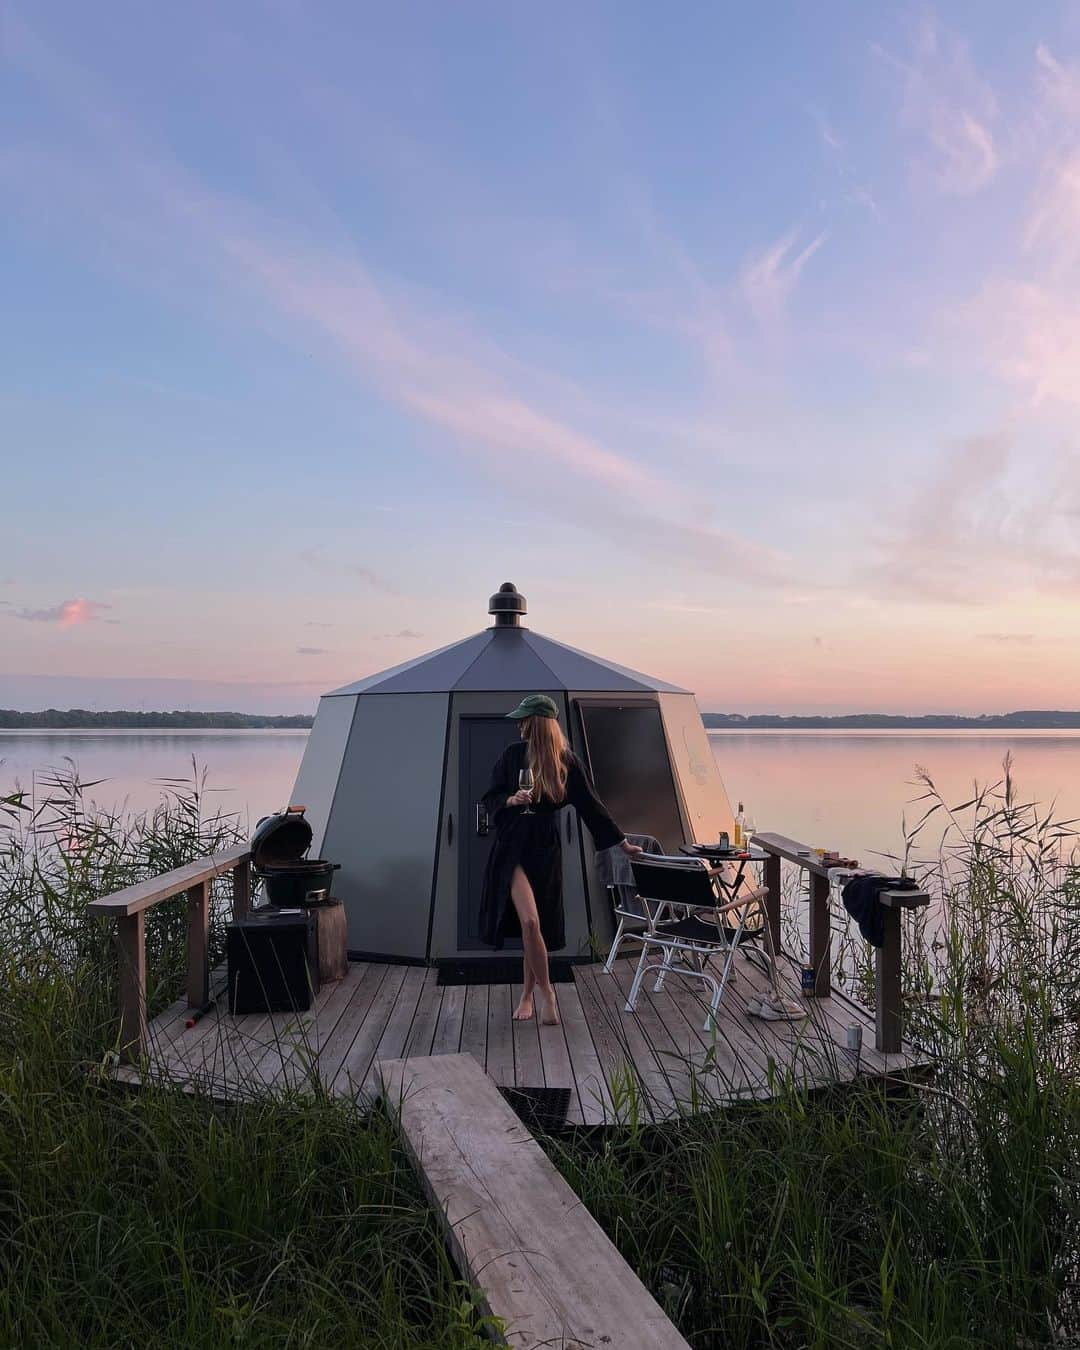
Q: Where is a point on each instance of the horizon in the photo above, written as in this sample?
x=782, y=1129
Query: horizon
x=747, y=348
x=706, y=712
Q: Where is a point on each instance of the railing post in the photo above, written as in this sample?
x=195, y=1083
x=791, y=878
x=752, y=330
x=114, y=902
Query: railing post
x=241, y=890
x=820, y=935
x=131, y=940
x=772, y=900
x=198, y=972
x=889, y=1035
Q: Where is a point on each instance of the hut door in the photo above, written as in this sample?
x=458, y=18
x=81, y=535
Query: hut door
x=483, y=739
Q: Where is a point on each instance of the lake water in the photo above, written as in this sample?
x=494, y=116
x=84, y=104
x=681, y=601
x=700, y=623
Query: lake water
x=834, y=789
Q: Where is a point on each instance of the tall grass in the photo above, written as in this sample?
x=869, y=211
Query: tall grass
x=944, y=1213
x=156, y=1218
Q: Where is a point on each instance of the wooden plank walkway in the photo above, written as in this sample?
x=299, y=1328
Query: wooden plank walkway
x=659, y=1061
x=517, y=1231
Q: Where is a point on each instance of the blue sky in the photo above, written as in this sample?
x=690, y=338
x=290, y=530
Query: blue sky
x=745, y=342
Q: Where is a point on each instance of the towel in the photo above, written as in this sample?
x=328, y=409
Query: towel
x=861, y=901
x=613, y=865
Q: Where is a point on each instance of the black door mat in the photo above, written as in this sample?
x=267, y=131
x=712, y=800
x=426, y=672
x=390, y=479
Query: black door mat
x=539, y=1109
x=497, y=970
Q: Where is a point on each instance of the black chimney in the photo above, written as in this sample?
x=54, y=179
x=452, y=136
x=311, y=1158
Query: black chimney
x=507, y=606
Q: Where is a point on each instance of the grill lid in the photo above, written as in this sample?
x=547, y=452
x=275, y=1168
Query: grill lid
x=281, y=838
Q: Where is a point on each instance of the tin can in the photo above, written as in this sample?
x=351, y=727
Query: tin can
x=808, y=981
x=854, y=1037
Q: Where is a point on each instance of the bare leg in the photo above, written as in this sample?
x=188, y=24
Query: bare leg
x=536, y=955
x=524, y=1010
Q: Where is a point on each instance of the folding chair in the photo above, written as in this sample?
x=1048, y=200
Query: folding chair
x=708, y=926
x=631, y=911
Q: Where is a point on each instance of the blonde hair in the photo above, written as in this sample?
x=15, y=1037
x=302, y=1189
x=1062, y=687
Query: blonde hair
x=547, y=753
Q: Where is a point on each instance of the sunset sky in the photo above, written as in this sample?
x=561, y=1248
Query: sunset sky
x=744, y=339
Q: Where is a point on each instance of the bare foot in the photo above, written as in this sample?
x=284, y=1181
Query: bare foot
x=524, y=1010
x=549, y=1009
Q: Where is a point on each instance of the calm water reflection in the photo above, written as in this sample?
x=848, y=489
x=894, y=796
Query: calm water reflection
x=850, y=790
x=249, y=772
x=844, y=790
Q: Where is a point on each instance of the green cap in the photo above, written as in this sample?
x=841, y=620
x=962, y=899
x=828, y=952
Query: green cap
x=535, y=705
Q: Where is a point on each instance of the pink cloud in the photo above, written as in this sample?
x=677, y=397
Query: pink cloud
x=67, y=614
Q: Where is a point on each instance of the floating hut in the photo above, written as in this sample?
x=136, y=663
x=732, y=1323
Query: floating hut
x=397, y=763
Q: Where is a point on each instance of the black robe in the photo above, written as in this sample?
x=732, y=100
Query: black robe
x=533, y=842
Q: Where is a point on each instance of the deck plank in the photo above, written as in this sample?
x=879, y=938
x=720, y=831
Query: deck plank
x=422, y=1031
x=391, y=1044
x=608, y=1009
x=339, y=1042
x=528, y=1064
x=674, y=1052
x=593, y=1096
x=557, y=1071
x=474, y=1023
x=516, y=1229
x=500, y=1036
x=740, y=1071
x=447, y=1039
x=293, y=1057
x=353, y=1074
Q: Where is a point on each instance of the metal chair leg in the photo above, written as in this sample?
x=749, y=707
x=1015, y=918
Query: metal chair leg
x=614, y=947
x=669, y=959
x=639, y=975
x=725, y=975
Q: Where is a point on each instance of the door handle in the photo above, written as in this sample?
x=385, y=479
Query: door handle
x=483, y=821
x=450, y=828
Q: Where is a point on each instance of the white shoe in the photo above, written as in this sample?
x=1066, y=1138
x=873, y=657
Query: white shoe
x=774, y=1009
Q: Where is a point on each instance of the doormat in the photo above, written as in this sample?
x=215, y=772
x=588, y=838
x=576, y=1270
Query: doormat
x=497, y=970
x=539, y=1109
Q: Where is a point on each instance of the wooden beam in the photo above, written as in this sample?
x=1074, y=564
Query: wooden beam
x=145, y=894
x=772, y=904
x=241, y=882
x=198, y=926
x=820, y=935
x=790, y=849
x=131, y=941
x=888, y=964
x=519, y=1234
x=889, y=1013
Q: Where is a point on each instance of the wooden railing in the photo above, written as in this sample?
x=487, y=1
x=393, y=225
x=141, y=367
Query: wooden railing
x=128, y=907
x=888, y=958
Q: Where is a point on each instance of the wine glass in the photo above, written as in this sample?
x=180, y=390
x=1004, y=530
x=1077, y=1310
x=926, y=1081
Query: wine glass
x=749, y=830
x=525, y=782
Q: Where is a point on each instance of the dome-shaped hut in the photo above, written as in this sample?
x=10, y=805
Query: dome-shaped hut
x=397, y=763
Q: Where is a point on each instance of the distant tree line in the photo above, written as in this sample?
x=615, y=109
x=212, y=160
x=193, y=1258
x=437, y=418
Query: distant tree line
x=59, y=719
x=1016, y=721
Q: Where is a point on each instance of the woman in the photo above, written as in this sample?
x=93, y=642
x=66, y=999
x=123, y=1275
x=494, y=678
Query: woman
x=523, y=881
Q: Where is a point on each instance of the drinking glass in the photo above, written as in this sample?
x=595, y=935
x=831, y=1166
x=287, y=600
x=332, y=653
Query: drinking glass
x=749, y=830
x=525, y=782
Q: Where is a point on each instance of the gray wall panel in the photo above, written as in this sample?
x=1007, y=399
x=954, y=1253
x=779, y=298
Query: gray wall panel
x=384, y=820
x=316, y=781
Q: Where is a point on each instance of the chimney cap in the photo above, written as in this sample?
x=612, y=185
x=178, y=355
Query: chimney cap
x=507, y=605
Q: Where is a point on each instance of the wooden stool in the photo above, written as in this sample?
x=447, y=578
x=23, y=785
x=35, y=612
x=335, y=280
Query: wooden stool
x=333, y=957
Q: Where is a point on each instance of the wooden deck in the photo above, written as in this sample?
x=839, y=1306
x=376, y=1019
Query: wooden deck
x=659, y=1058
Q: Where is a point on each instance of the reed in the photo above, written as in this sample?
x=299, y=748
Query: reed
x=156, y=1218
x=944, y=1213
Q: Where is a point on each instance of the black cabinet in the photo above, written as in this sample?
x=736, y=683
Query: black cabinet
x=273, y=960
